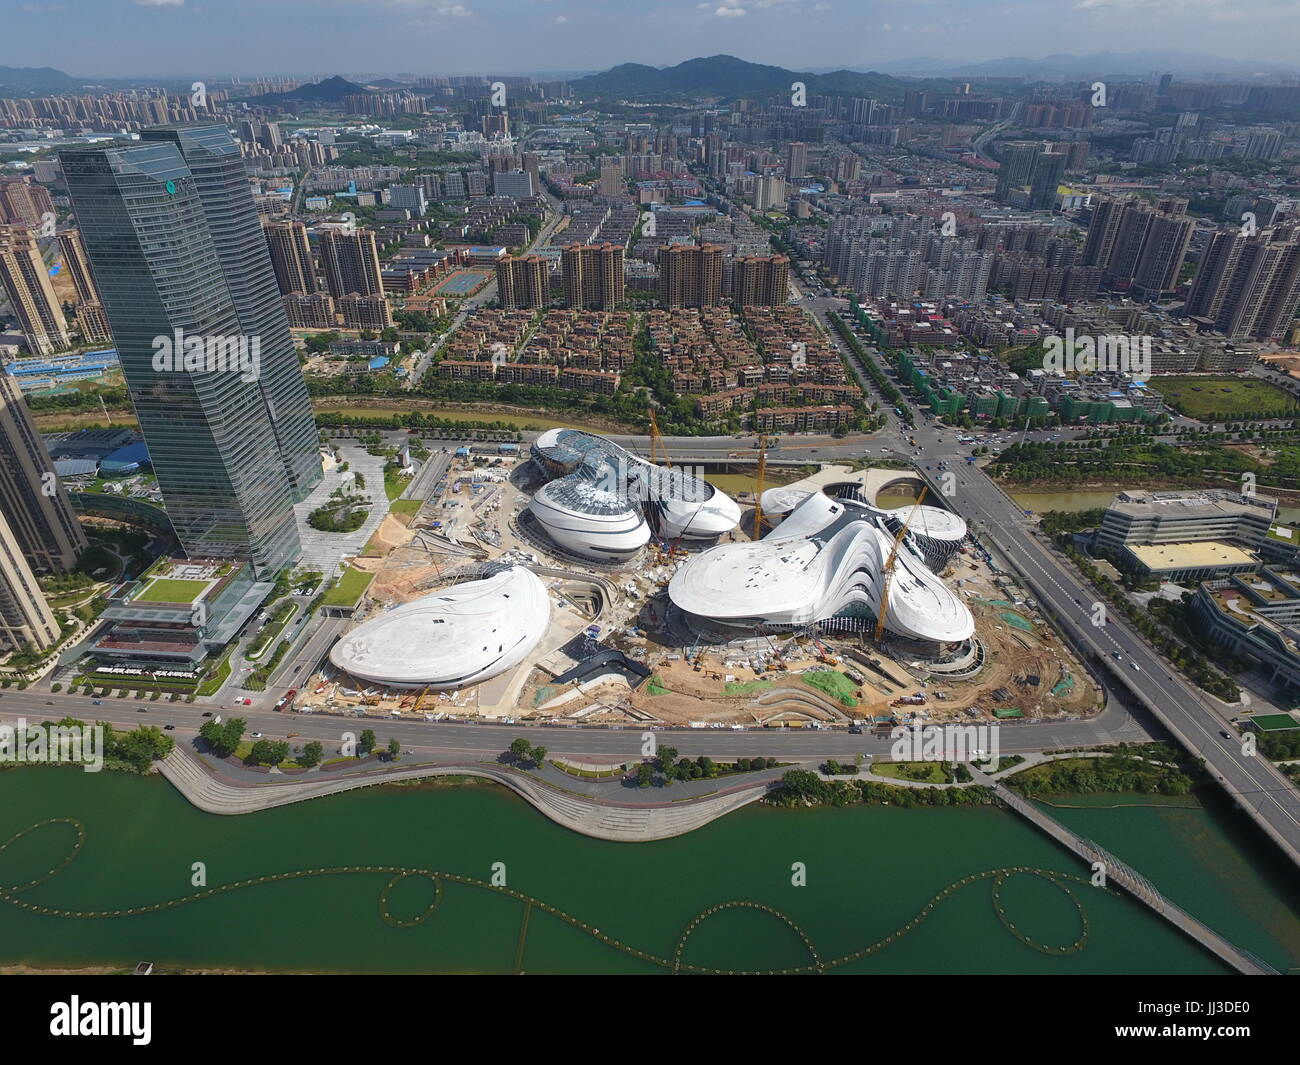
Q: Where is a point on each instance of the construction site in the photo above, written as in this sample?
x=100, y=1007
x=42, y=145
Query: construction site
x=617, y=652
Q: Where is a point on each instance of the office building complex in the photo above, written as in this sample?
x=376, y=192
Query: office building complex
x=31, y=294
x=690, y=275
x=592, y=275
x=211, y=437
x=32, y=500
x=1181, y=536
x=523, y=283
x=213, y=158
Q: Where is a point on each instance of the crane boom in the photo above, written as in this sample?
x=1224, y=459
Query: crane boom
x=889, y=567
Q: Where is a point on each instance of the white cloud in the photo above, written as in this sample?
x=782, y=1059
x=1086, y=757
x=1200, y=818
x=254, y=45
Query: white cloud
x=159, y=3
x=730, y=9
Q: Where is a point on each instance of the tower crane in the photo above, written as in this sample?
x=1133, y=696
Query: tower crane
x=889, y=567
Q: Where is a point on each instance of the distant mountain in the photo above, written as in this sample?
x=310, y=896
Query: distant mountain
x=1098, y=64
x=331, y=90
x=725, y=76
x=36, y=79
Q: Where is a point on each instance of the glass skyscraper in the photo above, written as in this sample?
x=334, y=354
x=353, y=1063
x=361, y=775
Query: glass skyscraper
x=213, y=157
x=157, y=259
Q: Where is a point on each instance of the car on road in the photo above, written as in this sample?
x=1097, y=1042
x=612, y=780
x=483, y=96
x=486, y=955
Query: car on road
x=96, y=702
x=1224, y=734
x=855, y=730
x=169, y=727
x=206, y=713
x=256, y=735
x=1136, y=667
x=1117, y=656
x=141, y=710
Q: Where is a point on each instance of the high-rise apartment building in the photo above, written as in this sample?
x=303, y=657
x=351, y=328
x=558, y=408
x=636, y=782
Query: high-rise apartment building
x=78, y=266
x=761, y=281
x=349, y=260
x=690, y=275
x=291, y=258
x=32, y=500
x=214, y=159
x=31, y=294
x=517, y=184
x=796, y=161
x=25, y=618
x=24, y=203
x=310, y=310
x=1248, y=286
x=593, y=275
x=145, y=224
x=1034, y=170
x=365, y=312
x=523, y=283
x=1137, y=246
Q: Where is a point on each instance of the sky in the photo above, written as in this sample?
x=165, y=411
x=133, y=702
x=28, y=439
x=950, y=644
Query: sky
x=198, y=38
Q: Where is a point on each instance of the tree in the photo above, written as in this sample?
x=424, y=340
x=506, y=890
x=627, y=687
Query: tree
x=645, y=773
x=538, y=755
x=367, y=742
x=311, y=754
x=269, y=752
x=223, y=737
x=521, y=749
x=394, y=749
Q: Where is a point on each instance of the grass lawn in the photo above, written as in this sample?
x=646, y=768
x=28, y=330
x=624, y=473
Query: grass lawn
x=406, y=508
x=833, y=683
x=349, y=589
x=167, y=590
x=1211, y=398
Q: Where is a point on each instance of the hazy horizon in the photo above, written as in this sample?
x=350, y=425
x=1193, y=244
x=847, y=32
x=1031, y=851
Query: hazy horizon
x=305, y=38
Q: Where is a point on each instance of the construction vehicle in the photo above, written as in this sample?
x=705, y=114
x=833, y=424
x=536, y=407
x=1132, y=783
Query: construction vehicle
x=419, y=700
x=889, y=565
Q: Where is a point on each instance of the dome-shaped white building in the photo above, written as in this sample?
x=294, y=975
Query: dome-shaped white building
x=588, y=520
x=825, y=561
x=601, y=498
x=454, y=637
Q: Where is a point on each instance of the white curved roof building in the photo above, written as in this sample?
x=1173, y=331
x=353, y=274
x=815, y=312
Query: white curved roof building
x=603, y=499
x=825, y=560
x=589, y=520
x=935, y=532
x=455, y=637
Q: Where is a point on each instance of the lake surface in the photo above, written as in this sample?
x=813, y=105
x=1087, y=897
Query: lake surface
x=869, y=871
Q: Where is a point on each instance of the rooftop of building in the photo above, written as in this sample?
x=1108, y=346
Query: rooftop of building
x=1202, y=554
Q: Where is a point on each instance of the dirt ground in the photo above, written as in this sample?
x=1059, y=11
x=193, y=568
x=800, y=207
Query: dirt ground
x=1286, y=362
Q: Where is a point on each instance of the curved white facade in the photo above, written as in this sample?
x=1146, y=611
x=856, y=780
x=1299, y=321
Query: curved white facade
x=589, y=521
x=825, y=560
x=603, y=499
x=455, y=637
